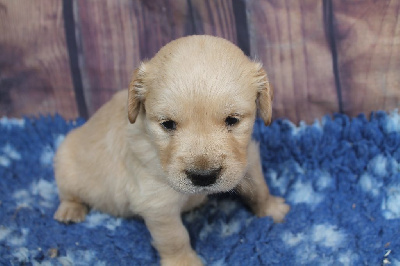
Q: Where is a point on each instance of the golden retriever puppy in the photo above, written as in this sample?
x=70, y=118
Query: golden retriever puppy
x=181, y=131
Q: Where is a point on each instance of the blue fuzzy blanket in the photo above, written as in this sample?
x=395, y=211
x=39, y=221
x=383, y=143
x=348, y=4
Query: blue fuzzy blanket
x=341, y=177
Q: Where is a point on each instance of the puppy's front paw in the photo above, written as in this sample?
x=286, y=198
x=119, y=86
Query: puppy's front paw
x=274, y=207
x=187, y=259
x=70, y=212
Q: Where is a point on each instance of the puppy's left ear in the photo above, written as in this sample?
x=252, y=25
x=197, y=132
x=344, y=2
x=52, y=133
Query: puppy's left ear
x=136, y=93
x=265, y=94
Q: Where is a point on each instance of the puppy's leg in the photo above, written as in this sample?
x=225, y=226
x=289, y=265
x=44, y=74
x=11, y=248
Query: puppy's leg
x=171, y=239
x=71, y=208
x=71, y=211
x=255, y=192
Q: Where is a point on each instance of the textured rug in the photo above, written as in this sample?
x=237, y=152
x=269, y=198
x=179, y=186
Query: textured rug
x=341, y=177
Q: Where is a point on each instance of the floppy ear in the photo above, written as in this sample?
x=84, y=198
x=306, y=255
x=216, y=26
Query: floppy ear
x=265, y=95
x=136, y=93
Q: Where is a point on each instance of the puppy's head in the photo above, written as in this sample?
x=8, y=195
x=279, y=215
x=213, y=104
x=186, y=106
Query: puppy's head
x=199, y=96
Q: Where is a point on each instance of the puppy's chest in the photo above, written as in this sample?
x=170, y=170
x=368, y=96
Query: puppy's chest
x=145, y=191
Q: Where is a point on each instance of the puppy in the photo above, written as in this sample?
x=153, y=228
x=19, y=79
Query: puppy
x=182, y=131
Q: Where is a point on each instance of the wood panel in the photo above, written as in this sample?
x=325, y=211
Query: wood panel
x=214, y=17
x=116, y=35
x=34, y=65
x=367, y=34
x=289, y=38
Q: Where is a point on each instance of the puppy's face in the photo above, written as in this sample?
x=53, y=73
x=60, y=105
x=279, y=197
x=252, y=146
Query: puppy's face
x=200, y=97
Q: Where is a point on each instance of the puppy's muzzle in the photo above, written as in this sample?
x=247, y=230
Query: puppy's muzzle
x=203, y=178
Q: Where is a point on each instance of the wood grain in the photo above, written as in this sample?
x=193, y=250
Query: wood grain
x=214, y=17
x=34, y=66
x=367, y=34
x=116, y=35
x=289, y=38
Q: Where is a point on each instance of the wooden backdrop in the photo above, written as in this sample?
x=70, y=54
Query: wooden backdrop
x=322, y=57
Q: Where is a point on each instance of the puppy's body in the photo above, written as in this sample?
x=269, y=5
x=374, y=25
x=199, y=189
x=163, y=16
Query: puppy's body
x=192, y=107
x=97, y=166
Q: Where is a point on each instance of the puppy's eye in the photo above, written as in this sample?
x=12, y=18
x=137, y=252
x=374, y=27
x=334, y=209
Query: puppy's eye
x=169, y=125
x=231, y=121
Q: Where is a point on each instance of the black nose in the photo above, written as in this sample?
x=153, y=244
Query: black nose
x=203, y=178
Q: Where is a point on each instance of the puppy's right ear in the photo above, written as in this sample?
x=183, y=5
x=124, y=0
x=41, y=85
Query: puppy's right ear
x=136, y=93
x=265, y=94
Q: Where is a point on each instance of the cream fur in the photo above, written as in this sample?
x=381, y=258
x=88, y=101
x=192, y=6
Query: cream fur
x=124, y=162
